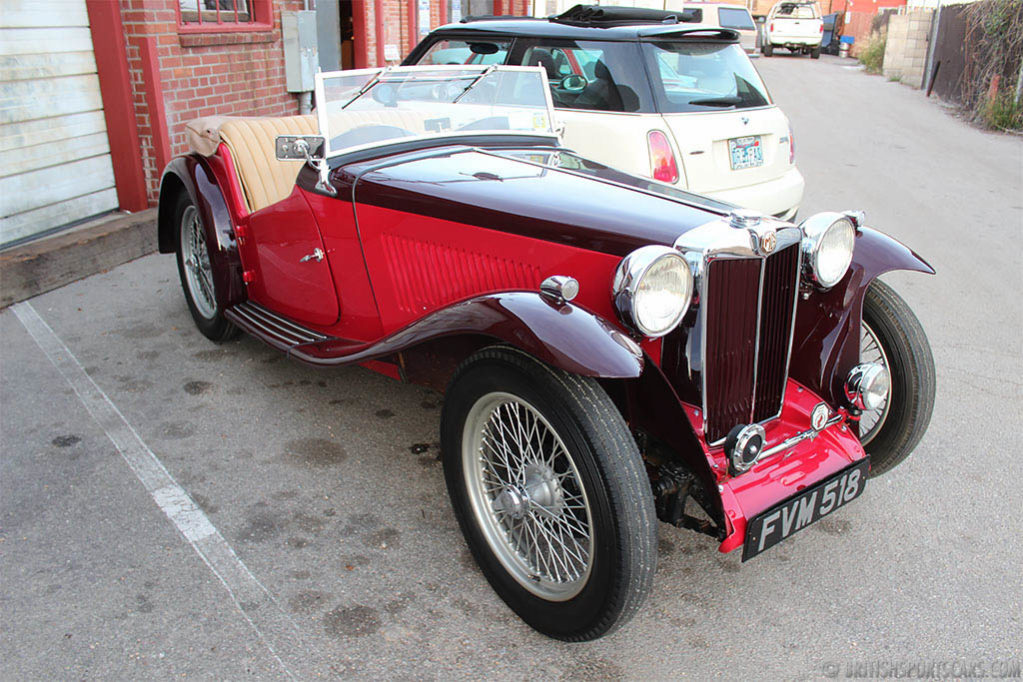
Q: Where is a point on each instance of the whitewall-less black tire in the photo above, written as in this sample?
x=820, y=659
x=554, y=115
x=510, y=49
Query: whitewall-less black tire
x=550, y=492
x=893, y=335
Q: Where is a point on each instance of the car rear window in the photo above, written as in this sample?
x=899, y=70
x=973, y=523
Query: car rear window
x=791, y=11
x=613, y=71
x=451, y=52
x=688, y=76
x=739, y=19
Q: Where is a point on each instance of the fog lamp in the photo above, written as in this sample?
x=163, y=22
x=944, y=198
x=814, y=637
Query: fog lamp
x=867, y=386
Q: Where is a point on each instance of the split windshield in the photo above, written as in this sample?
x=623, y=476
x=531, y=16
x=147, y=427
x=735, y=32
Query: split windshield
x=357, y=109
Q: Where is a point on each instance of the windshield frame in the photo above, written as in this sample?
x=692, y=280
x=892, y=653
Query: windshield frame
x=379, y=74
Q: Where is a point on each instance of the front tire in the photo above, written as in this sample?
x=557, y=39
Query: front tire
x=891, y=334
x=550, y=492
x=196, y=272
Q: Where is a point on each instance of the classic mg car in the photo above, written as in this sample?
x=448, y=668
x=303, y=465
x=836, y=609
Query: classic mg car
x=612, y=350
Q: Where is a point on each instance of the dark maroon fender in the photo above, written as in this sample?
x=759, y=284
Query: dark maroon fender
x=827, y=336
x=565, y=336
x=198, y=176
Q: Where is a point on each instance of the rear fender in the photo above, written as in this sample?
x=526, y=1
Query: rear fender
x=192, y=174
x=827, y=334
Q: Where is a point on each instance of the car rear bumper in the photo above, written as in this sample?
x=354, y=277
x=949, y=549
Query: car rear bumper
x=784, y=474
x=778, y=197
x=805, y=41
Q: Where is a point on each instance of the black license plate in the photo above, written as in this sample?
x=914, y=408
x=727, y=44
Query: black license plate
x=770, y=527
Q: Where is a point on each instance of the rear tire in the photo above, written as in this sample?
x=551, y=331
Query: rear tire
x=815, y=53
x=559, y=515
x=900, y=423
x=767, y=49
x=196, y=272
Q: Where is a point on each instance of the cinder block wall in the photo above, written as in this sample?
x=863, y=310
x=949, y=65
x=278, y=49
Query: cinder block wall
x=905, y=53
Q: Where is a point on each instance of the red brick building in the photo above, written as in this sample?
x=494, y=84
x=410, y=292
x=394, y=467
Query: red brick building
x=184, y=63
x=132, y=73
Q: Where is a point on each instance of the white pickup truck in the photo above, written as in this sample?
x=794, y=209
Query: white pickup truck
x=794, y=25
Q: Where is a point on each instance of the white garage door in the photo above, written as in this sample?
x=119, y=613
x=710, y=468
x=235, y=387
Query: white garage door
x=54, y=154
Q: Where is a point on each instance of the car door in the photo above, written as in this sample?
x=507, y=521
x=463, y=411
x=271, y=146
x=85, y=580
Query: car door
x=293, y=275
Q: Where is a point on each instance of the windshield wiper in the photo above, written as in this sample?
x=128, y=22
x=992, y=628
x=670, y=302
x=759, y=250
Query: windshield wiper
x=718, y=101
x=475, y=80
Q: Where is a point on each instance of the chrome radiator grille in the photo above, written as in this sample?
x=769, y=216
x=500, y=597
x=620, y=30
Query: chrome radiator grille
x=747, y=318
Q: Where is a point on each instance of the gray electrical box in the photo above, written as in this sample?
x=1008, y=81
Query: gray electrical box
x=300, y=58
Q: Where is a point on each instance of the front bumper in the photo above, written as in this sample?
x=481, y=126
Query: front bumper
x=778, y=197
x=783, y=474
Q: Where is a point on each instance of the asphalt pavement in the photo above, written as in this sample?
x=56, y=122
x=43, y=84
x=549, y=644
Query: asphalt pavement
x=173, y=508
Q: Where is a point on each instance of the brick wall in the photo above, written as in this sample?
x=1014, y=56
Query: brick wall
x=179, y=74
x=200, y=74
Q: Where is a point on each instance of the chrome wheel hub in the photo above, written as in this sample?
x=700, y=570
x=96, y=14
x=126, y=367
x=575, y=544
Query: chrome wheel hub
x=527, y=496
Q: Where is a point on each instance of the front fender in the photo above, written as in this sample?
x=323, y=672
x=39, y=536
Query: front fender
x=193, y=174
x=826, y=344
x=565, y=336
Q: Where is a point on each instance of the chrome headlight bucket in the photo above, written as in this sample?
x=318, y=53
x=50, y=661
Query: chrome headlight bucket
x=652, y=289
x=828, y=242
x=867, y=386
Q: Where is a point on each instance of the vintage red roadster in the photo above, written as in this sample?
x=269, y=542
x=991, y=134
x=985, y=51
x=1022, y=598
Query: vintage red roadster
x=612, y=350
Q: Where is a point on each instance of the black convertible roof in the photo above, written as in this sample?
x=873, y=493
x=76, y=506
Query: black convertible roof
x=595, y=22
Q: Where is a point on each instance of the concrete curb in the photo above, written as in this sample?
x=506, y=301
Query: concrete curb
x=49, y=263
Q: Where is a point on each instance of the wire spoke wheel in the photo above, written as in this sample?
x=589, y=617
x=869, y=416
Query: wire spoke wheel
x=871, y=421
x=195, y=258
x=527, y=496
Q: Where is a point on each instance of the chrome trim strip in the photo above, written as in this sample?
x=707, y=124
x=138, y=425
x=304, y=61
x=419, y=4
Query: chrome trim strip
x=273, y=325
x=286, y=323
x=756, y=339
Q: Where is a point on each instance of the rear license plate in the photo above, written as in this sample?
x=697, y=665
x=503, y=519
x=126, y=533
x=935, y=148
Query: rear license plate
x=746, y=152
x=804, y=508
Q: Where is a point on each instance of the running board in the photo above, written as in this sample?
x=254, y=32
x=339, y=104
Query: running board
x=271, y=328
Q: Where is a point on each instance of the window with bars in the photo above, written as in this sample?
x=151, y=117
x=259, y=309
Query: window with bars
x=219, y=15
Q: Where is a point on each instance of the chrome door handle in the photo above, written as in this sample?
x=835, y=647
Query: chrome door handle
x=316, y=255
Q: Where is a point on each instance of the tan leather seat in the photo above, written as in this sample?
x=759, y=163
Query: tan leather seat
x=264, y=179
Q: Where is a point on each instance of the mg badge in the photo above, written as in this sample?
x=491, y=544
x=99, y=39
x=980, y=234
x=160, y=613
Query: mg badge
x=768, y=242
x=745, y=120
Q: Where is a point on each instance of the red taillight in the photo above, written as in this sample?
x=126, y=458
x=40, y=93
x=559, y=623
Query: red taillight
x=822, y=29
x=662, y=159
x=792, y=147
x=772, y=27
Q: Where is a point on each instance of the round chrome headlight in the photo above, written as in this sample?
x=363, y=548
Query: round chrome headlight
x=652, y=289
x=829, y=239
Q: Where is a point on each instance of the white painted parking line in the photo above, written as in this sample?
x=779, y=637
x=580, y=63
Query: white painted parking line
x=279, y=633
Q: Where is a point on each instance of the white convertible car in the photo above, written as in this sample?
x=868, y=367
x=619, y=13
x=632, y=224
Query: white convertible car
x=648, y=92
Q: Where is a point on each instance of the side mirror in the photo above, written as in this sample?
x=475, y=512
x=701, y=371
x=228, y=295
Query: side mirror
x=300, y=147
x=309, y=148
